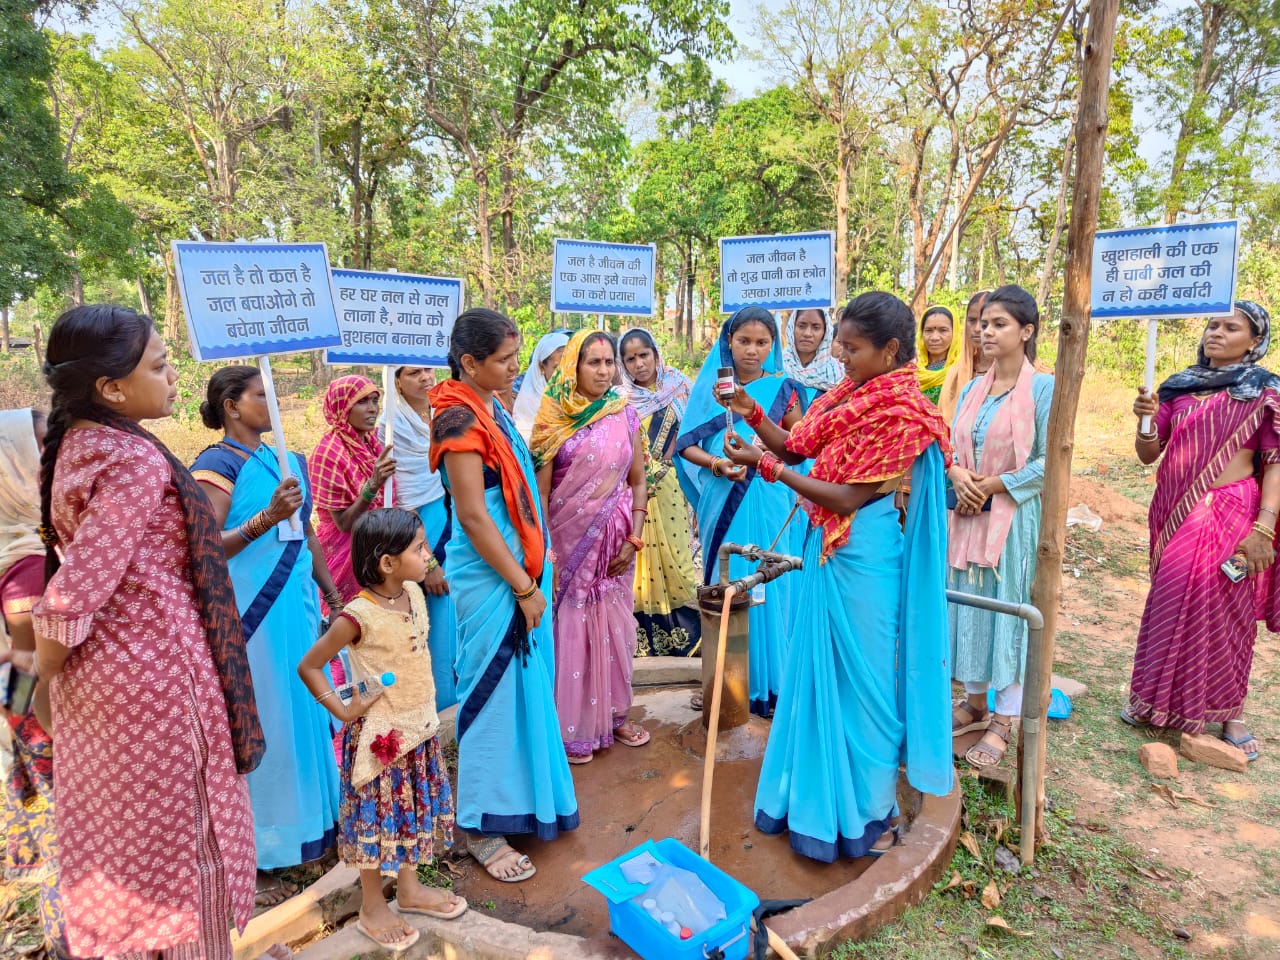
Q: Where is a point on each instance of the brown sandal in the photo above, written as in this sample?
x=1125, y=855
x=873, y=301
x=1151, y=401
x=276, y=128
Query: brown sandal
x=978, y=720
x=989, y=752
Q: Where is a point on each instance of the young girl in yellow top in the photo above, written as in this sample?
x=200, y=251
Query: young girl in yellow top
x=396, y=800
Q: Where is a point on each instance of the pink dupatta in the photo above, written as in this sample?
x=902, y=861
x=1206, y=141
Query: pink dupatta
x=1006, y=447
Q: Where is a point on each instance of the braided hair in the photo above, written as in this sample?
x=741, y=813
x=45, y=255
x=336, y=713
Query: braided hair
x=85, y=345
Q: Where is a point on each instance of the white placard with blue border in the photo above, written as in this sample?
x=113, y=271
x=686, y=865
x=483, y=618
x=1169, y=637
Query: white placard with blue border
x=395, y=319
x=1158, y=273
x=255, y=299
x=794, y=271
x=613, y=278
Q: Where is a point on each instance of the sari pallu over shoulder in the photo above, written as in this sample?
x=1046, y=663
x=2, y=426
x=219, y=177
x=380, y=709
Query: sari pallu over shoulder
x=260, y=571
x=513, y=776
x=1198, y=445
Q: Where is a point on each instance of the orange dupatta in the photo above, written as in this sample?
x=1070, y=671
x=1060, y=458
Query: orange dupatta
x=460, y=423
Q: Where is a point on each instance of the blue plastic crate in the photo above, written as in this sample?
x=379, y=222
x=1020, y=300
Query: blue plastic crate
x=645, y=936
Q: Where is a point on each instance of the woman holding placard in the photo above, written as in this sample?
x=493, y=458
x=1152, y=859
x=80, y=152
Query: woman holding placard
x=512, y=773
x=733, y=504
x=1215, y=429
x=1000, y=434
x=418, y=488
x=666, y=583
x=275, y=571
x=348, y=470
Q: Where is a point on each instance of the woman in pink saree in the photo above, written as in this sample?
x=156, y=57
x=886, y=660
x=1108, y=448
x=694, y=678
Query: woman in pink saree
x=1217, y=495
x=591, y=473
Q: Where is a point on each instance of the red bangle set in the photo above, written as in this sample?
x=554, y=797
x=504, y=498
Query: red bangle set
x=635, y=542
x=755, y=417
x=770, y=468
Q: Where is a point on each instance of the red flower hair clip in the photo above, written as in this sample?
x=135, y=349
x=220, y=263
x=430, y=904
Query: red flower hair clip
x=387, y=746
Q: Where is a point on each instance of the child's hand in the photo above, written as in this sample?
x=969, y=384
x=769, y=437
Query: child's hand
x=360, y=705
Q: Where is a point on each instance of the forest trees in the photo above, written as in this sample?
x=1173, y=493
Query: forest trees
x=460, y=137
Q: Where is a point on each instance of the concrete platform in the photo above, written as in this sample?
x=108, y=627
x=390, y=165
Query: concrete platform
x=627, y=795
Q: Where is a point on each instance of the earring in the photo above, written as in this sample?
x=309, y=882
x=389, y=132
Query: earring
x=235, y=416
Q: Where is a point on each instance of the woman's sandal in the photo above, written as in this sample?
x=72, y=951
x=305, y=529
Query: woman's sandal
x=886, y=842
x=639, y=735
x=1239, y=742
x=989, y=753
x=376, y=934
x=458, y=909
x=1131, y=720
x=272, y=890
x=977, y=719
x=490, y=851
x=579, y=758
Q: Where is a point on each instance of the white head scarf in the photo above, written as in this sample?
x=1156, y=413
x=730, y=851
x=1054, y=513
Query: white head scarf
x=416, y=483
x=530, y=396
x=824, y=371
x=19, y=489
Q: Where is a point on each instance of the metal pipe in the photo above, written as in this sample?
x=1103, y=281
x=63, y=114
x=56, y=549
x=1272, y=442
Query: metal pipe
x=1031, y=716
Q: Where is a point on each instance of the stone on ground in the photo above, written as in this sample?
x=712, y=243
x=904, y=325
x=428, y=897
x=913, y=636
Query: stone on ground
x=1209, y=749
x=1158, y=759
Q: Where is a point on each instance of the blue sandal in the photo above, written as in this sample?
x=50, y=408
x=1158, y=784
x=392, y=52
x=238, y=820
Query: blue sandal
x=1239, y=743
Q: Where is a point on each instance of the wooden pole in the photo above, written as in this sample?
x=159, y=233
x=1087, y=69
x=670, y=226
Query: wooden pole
x=1073, y=336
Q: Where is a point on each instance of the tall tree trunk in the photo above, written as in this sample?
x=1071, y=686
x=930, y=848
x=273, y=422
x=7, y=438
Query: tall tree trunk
x=356, y=178
x=688, y=300
x=481, y=177
x=844, y=160
x=172, y=317
x=1059, y=220
x=1210, y=26
x=4, y=330
x=144, y=298
x=1073, y=340
x=76, y=291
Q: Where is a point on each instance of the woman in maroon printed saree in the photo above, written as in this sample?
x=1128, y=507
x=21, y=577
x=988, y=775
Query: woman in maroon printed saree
x=1217, y=496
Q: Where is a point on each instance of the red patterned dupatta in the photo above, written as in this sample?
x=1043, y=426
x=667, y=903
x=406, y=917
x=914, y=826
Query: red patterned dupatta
x=866, y=432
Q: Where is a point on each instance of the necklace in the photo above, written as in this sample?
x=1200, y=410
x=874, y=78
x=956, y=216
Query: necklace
x=385, y=597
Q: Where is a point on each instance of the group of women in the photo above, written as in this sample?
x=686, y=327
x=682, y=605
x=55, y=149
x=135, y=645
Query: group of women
x=149, y=596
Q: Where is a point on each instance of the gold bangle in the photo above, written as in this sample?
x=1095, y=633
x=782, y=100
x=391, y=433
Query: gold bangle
x=522, y=597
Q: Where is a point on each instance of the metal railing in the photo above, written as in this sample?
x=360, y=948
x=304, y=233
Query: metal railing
x=1031, y=693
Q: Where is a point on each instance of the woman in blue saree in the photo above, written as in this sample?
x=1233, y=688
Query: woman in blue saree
x=732, y=504
x=513, y=775
x=419, y=489
x=275, y=572
x=867, y=684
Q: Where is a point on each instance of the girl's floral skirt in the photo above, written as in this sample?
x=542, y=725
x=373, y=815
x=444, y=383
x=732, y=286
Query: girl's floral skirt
x=395, y=819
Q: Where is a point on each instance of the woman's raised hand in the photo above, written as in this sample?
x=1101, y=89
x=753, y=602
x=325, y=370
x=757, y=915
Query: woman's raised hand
x=742, y=403
x=1146, y=404
x=286, y=500
x=743, y=454
x=384, y=467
